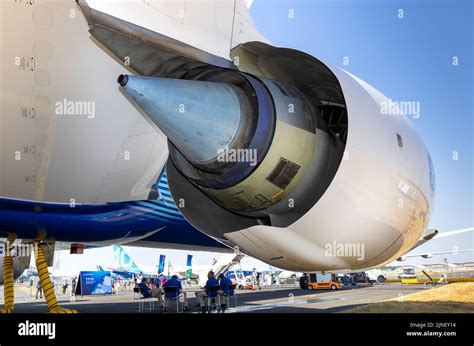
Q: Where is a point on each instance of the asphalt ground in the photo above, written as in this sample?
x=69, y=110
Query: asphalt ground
x=267, y=300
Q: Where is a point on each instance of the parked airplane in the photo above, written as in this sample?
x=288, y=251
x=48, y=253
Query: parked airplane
x=431, y=254
x=266, y=148
x=198, y=273
x=125, y=266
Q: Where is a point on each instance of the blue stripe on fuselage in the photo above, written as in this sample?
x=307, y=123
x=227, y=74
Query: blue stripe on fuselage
x=96, y=223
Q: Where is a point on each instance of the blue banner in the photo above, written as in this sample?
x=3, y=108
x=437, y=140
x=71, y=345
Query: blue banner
x=93, y=283
x=189, y=261
x=161, y=264
x=189, y=272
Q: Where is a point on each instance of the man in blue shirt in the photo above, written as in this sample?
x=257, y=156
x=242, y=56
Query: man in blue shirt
x=226, y=288
x=179, y=294
x=156, y=282
x=200, y=296
x=147, y=292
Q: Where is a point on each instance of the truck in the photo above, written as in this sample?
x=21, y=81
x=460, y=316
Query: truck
x=314, y=281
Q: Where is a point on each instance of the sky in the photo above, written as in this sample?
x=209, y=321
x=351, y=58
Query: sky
x=405, y=49
x=408, y=56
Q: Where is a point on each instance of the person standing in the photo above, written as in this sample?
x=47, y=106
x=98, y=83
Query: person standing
x=259, y=281
x=30, y=283
x=65, y=285
x=73, y=287
x=135, y=284
x=39, y=289
x=157, y=282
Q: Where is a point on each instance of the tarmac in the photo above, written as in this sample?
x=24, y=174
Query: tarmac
x=266, y=300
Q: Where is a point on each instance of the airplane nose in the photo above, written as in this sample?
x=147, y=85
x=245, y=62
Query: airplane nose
x=199, y=118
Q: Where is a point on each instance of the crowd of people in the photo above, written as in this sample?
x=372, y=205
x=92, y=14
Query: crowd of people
x=58, y=287
x=121, y=285
x=212, y=295
x=215, y=291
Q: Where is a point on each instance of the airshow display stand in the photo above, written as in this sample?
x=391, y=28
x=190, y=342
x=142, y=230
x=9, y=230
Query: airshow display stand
x=94, y=283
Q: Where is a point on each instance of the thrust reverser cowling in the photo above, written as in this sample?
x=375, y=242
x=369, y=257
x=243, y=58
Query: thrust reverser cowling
x=288, y=205
x=247, y=145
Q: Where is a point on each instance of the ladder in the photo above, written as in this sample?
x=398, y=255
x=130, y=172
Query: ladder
x=224, y=268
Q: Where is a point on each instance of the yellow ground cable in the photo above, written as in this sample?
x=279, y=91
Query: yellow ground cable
x=8, y=295
x=48, y=290
x=8, y=288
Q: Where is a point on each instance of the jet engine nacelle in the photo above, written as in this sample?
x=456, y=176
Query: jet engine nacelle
x=293, y=162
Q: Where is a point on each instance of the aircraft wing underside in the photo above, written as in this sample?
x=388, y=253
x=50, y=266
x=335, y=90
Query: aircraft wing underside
x=149, y=223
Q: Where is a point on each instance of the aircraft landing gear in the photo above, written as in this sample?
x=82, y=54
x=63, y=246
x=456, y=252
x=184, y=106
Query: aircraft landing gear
x=8, y=292
x=49, y=295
